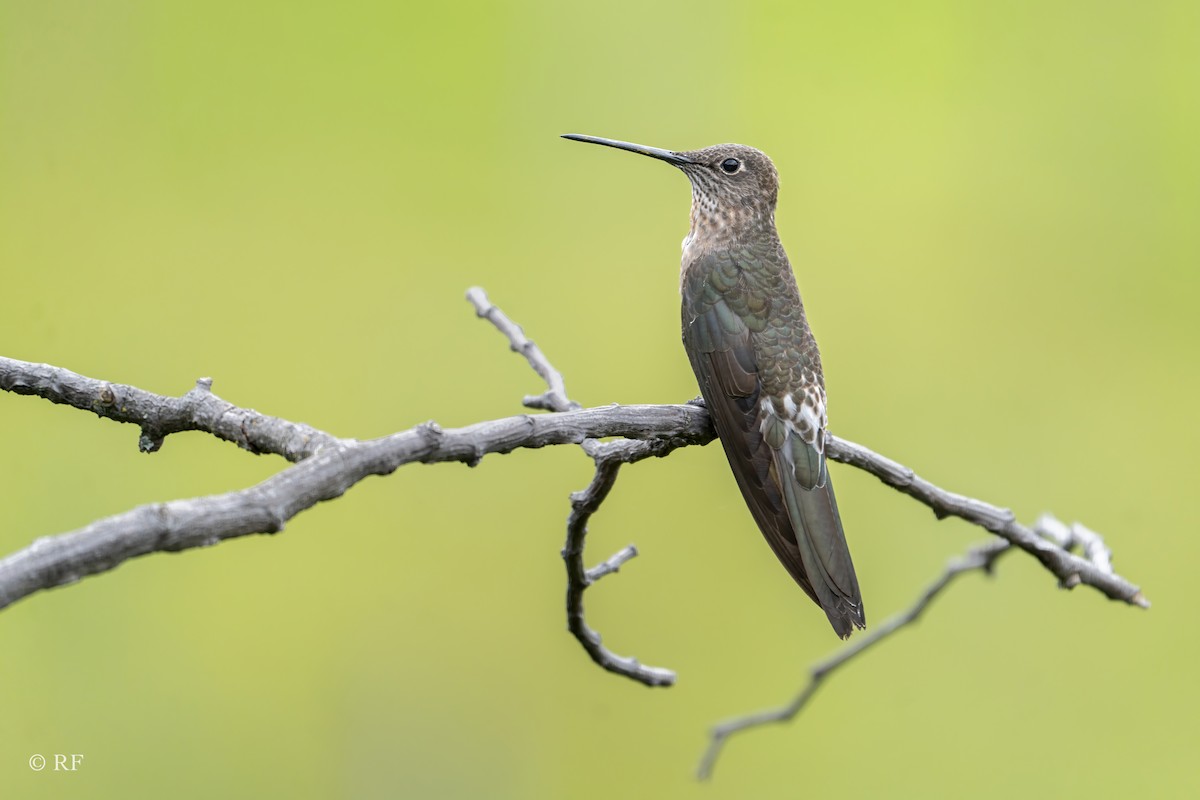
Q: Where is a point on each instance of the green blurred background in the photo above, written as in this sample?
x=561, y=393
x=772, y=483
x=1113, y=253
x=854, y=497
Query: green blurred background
x=993, y=210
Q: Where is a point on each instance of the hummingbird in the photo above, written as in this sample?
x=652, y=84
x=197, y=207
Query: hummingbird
x=755, y=358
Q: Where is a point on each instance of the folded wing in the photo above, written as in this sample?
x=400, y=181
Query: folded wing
x=775, y=446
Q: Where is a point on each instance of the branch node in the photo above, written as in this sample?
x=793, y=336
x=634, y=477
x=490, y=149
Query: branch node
x=431, y=432
x=148, y=442
x=1071, y=581
x=1049, y=527
x=276, y=522
x=204, y=385
x=543, y=401
x=611, y=565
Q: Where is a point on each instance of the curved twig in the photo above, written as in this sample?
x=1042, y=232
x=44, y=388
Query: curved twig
x=608, y=459
x=981, y=558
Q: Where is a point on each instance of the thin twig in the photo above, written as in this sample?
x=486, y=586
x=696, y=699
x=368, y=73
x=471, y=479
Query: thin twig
x=608, y=459
x=982, y=558
x=583, y=505
x=158, y=415
x=555, y=397
x=613, y=564
x=1070, y=569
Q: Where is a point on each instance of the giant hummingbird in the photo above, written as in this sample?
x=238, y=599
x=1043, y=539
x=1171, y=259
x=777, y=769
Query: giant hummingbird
x=757, y=364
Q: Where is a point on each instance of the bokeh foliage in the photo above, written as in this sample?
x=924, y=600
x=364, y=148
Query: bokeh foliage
x=993, y=212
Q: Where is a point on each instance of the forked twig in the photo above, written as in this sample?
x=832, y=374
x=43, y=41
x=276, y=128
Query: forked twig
x=608, y=459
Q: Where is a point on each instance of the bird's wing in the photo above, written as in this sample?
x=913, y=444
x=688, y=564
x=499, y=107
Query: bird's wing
x=775, y=447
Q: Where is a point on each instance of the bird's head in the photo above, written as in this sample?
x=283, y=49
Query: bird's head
x=732, y=185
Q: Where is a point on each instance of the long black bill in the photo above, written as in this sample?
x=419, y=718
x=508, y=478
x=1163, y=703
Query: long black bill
x=671, y=157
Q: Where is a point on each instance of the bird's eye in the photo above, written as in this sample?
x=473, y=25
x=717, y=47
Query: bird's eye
x=731, y=165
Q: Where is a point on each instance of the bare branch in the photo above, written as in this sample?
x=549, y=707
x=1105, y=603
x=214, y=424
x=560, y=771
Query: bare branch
x=1050, y=541
x=583, y=505
x=1071, y=570
x=328, y=466
x=982, y=558
x=159, y=416
x=555, y=397
x=201, y=410
x=608, y=459
x=1051, y=547
x=265, y=508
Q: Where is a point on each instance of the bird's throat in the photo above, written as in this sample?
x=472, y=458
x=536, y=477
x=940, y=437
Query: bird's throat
x=709, y=228
x=715, y=226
